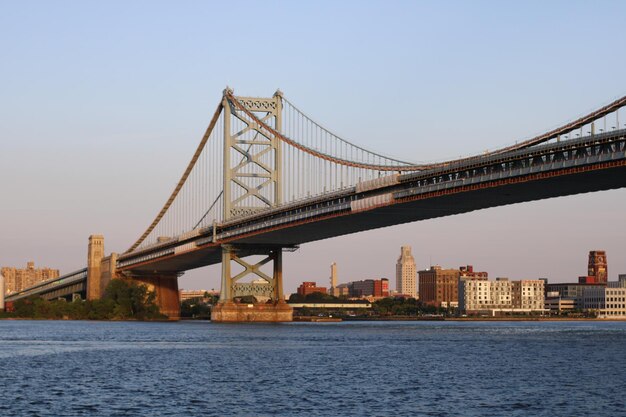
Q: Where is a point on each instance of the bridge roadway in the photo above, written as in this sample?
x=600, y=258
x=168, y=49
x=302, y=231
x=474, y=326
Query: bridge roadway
x=591, y=163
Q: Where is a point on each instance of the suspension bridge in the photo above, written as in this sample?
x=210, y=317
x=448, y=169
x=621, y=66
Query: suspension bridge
x=267, y=178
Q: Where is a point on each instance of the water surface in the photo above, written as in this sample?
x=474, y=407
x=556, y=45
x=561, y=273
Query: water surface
x=65, y=368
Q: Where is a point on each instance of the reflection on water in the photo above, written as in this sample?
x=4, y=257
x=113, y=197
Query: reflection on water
x=54, y=368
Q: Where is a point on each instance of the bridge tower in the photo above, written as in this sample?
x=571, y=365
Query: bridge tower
x=252, y=182
x=95, y=254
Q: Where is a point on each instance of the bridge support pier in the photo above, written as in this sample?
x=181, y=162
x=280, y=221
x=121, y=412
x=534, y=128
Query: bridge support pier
x=232, y=306
x=165, y=286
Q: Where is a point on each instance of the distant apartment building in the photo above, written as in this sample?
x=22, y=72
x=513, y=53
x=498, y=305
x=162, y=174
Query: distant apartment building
x=501, y=296
x=529, y=294
x=406, y=275
x=18, y=279
x=376, y=288
x=439, y=287
x=310, y=287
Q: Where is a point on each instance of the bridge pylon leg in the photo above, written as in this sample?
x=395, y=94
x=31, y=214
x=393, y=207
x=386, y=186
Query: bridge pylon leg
x=235, y=305
x=165, y=287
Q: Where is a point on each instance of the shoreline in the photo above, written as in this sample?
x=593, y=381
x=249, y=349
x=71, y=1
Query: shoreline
x=306, y=319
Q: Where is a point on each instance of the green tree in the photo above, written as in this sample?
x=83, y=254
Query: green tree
x=131, y=300
x=123, y=299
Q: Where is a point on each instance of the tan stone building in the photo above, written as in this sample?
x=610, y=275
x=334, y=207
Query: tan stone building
x=19, y=279
x=406, y=275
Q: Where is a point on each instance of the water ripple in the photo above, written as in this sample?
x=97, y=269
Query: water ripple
x=303, y=369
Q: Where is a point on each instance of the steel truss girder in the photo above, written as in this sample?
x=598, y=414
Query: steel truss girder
x=243, y=193
x=234, y=253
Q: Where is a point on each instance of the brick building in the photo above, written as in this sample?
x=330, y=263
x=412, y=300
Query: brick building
x=376, y=288
x=309, y=287
x=439, y=287
x=597, y=269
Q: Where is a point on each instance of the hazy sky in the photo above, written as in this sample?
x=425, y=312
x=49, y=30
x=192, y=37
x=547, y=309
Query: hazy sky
x=103, y=103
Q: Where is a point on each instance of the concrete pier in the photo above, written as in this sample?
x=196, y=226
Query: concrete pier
x=230, y=312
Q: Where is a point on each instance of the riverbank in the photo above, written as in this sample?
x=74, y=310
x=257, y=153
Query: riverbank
x=315, y=319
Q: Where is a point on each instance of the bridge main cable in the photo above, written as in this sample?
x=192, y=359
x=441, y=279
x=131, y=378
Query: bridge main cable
x=182, y=180
x=582, y=121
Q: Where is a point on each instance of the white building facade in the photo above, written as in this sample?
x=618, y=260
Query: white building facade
x=501, y=296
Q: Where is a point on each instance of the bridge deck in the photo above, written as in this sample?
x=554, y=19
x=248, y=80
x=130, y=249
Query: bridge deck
x=456, y=200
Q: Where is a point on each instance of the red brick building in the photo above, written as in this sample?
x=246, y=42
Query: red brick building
x=370, y=288
x=309, y=287
x=597, y=271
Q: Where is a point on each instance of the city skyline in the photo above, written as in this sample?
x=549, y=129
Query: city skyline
x=69, y=110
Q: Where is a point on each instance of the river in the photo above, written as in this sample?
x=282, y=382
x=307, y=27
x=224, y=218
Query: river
x=80, y=368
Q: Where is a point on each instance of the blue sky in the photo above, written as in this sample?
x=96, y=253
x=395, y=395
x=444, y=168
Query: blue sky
x=103, y=103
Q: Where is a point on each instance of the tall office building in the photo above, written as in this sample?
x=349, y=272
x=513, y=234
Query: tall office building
x=406, y=273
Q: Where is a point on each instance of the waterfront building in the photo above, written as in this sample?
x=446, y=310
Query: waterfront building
x=573, y=292
x=18, y=279
x=310, y=287
x=406, y=273
x=439, y=287
x=529, y=294
x=606, y=301
x=559, y=305
x=501, y=296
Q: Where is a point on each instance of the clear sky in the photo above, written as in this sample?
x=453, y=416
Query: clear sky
x=103, y=103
